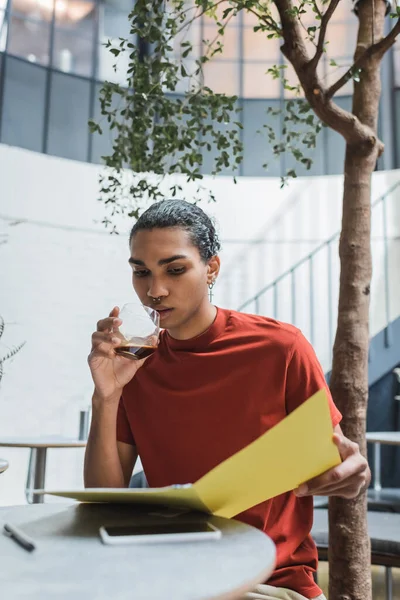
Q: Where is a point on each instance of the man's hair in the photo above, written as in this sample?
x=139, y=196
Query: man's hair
x=187, y=216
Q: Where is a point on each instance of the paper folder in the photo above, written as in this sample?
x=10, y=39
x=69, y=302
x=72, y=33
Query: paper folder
x=297, y=449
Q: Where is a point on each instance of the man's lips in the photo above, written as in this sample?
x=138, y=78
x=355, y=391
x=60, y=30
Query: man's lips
x=163, y=311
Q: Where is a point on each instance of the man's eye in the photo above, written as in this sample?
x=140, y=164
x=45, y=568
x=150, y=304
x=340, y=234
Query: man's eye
x=141, y=273
x=176, y=271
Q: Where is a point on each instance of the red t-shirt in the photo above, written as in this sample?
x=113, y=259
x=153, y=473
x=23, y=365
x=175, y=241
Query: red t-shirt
x=196, y=402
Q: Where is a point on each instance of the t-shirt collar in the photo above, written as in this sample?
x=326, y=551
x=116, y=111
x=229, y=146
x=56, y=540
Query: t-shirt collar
x=204, y=339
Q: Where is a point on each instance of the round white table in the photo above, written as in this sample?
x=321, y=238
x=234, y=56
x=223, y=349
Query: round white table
x=37, y=459
x=71, y=563
x=3, y=465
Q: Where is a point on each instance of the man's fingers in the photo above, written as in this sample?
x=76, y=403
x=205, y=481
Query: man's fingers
x=114, y=312
x=351, y=467
x=354, y=482
x=345, y=446
x=104, y=341
x=108, y=324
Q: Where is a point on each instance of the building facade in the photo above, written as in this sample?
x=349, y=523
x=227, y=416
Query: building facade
x=53, y=61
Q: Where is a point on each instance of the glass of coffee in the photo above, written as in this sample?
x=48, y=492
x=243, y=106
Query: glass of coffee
x=139, y=331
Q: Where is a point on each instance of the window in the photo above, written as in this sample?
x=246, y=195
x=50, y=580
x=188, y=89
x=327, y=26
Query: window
x=113, y=24
x=74, y=37
x=29, y=39
x=68, y=117
x=257, y=147
x=229, y=41
x=23, y=119
x=102, y=144
x=72, y=53
x=222, y=76
x=257, y=47
x=3, y=31
x=257, y=83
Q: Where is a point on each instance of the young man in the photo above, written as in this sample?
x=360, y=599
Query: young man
x=218, y=380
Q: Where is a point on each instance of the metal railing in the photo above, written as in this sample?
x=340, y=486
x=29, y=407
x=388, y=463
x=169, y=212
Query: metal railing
x=306, y=293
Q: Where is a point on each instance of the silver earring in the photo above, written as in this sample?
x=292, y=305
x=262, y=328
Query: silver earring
x=210, y=287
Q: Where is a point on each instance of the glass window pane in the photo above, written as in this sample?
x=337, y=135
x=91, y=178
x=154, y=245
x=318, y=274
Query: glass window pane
x=341, y=38
x=189, y=34
x=229, y=41
x=41, y=11
x=335, y=73
x=102, y=144
x=344, y=13
x=396, y=63
x=257, y=148
x=29, y=39
x=256, y=46
x=222, y=77
x=3, y=31
x=316, y=154
x=112, y=25
x=293, y=82
x=75, y=15
x=209, y=156
x=105, y=66
x=23, y=104
x=3, y=4
x=73, y=53
x=68, y=118
x=335, y=145
x=257, y=83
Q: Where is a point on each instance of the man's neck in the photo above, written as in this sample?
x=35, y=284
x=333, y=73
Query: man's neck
x=195, y=327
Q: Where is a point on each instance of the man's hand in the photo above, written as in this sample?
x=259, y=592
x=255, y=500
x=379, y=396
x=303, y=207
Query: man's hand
x=346, y=480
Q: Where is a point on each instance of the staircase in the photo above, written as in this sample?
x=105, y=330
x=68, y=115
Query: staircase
x=306, y=295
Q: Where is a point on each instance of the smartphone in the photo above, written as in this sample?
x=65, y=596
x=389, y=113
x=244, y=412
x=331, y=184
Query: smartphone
x=158, y=533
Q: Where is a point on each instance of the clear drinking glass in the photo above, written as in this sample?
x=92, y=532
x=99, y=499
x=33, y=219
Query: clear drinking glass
x=139, y=331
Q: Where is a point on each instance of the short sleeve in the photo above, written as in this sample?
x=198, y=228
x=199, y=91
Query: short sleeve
x=124, y=432
x=305, y=377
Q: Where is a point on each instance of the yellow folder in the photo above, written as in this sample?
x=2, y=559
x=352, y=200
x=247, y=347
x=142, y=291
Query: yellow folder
x=297, y=449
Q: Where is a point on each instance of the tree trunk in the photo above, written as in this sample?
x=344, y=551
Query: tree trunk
x=349, y=547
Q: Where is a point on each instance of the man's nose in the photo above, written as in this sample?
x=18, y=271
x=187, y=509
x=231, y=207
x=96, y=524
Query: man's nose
x=157, y=289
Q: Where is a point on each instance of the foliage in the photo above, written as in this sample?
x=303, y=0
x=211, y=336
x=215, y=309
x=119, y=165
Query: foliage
x=165, y=120
x=12, y=352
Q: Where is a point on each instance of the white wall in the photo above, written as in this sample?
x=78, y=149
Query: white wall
x=60, y=272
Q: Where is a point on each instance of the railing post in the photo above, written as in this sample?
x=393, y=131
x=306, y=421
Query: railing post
x=275, y=301
x=311, y=273
x=388, y=340
x=293, y=290
x=330, y=301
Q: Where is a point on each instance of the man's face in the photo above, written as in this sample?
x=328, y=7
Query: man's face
x=166, y=265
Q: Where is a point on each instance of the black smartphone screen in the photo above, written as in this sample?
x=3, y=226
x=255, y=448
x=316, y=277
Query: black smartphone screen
x=159, y=528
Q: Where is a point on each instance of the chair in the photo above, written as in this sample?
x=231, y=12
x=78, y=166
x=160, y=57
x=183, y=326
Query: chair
x=384, y=532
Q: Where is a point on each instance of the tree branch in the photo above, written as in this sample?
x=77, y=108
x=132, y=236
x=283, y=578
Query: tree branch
x=378, y=49
x=338, y=119
x=316, y=8
x=267, y=19
x=325, y=18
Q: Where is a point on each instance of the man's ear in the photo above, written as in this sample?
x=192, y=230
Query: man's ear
x=213, y=268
